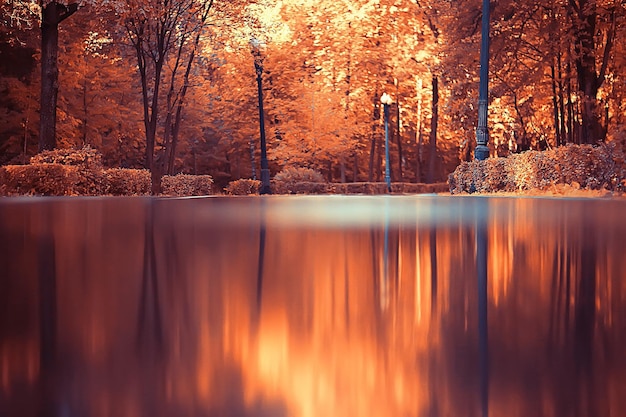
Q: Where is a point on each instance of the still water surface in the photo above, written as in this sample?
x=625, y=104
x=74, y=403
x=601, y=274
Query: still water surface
x=312, y=306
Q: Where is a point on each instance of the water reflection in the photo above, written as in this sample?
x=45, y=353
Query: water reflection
x=253, y=307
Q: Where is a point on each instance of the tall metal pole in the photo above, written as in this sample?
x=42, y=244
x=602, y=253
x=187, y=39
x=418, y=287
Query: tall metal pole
x=265, y=171
x=482, y=135
x=386, y=100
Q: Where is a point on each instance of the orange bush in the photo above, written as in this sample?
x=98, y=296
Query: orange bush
x=64, y=172
x=301, y=187
x=122, y=181
x=243, y=186
x=86, y=157
x=186, y=185
x=299, y=181
x=585, y=166
x=44, y=179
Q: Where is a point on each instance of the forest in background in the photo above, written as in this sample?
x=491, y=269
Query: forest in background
x=170, y=85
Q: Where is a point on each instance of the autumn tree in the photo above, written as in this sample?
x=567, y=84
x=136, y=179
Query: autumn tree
x=19, y=86
x=594, y=28
x=95, y=105
x=165, y=35
x=52, y=14
x=549, y=63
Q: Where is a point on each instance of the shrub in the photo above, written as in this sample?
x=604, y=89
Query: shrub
x=41, y=179
x=287, y=180
x=86, y=157
x=243, y=186
x=122, y=181
x=351, y=188
x=303, y=187
x=292, y=174
x=581, y=165
x=186, y=185
x=84, y=165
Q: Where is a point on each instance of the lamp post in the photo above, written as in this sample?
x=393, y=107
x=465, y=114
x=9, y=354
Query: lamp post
x=482, y=135
x=258, y=67
x=386, y=100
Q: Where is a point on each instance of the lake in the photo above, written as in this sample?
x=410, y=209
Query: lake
x=310, y=306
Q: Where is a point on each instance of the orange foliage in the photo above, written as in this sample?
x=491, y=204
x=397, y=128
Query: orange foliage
x=583, y=166
x=243, y=186
x=186, y=185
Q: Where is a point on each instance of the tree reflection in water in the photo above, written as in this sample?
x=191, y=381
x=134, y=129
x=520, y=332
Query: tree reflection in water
x=239, y=311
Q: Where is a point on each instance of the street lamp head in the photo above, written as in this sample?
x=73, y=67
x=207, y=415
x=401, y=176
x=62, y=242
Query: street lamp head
x=257, y=47
x=386, y=99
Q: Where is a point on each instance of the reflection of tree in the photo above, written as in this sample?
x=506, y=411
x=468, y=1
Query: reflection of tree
x=377, y=274
x=574, y=285
x=585, y=309
x=435, y=358
x=149, y=326
x=409, y=358
x=561, y=287
x=259, y=280
x=591, y=388
x=433, y=267
x=46, y=267
x=48, y=313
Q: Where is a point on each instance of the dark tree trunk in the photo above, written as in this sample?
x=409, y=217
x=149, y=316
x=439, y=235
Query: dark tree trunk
x=555, y=106
x=330, y=170
x=252, y=161
x=342, y=167
x=375, y=118
x=433, y=130
x=589, y=80
x=561, y=98
x=370, y=175
x=418, y=133
x=570, y=105
x=85, y=109
x=399, y=138
x=51, y=16
x=379, y=159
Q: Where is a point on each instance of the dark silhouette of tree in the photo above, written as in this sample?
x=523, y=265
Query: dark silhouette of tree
x=52, y=14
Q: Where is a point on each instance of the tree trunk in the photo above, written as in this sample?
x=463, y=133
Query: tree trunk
x=370, y=174
x=51, y=16
x=433, y=130
x=555, y=106
x=375, y=118
x=85, y=107
x=399, y=138
x=181, y=99
x=418, y=133
x=252, y=161
x=571, y=138
x=561, y=97
x=342, y=166
x=589, y=80
x=379, y=159
x=522, y=144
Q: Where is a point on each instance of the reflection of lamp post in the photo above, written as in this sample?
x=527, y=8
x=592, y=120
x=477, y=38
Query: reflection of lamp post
x=482, y=234
x=482, y=135
x=258, y=66
x=386, y=100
